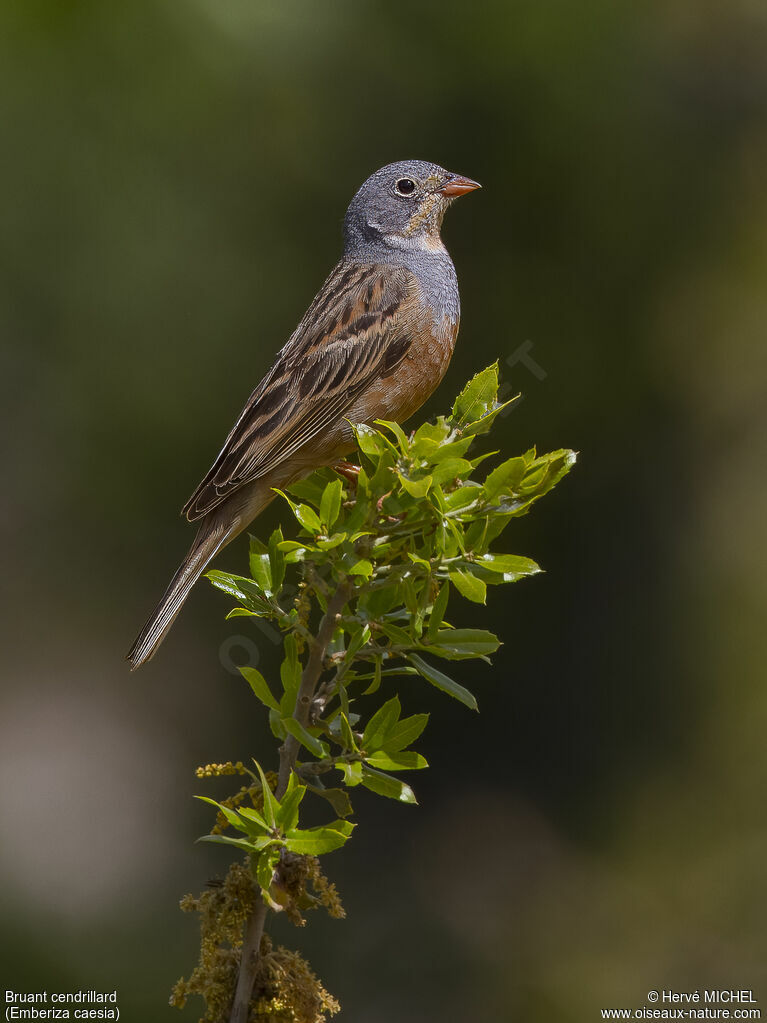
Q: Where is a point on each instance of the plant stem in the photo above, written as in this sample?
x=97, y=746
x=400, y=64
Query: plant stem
x=288, y=753
x=309, y=679
x=251, y=946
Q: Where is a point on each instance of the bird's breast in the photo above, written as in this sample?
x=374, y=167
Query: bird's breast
x=402, y=392
x=433, y=330
x=438, y=287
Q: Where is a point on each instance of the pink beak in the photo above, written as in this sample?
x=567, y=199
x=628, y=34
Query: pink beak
x=457, y=185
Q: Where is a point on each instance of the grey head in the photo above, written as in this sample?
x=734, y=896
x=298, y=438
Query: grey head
x=400, y=209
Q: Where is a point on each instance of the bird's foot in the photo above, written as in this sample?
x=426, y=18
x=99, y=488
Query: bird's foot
x=349, y=471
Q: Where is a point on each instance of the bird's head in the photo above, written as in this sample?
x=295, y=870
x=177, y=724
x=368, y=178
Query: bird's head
x=403, y=204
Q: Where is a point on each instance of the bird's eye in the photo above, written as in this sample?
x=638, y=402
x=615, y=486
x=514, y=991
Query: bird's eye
x=405, y=186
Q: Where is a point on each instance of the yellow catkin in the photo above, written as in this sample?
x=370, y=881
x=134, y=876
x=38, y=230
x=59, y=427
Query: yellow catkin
x=286, y=990
x=219, y=770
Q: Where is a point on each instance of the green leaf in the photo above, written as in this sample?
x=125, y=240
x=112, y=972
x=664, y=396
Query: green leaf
x=462, y=497
x=555, y=464
x=469, y=586
x=451, y=468
x=428, y=438
x=443, y=682
x=416, y=488
x=251, y=814
x=308, y=518
x=332, y=541
x=361, y=567
x=438, y=611
x=352, y=773
x=260, y=687
x=238, y=843
x=485, y=423
x=385, y=785
x=356, y=516
x=276, y=725
x=287, y=816
x=478, y=396
x=311, y=487
x=271, y=806
x=398, y=432
x=418, y=560
x=358, y=640
x=455, y=644
x=288, y=546
x=396, y=634
x=244, y=590
x=290, y=674
x=455, y=449
x=456, y=530
x=369, y=441
x=260, y=566
x=297, y=730
x=400, y=761
x=316, y=841
x=404, y=732
x=381, y=723
x=375, y=684
x=250, y=827
x=337, y=798
x=336, y=644
x=265, y=867
x=347, y=736
x=505, y=477
x=276, y=559
x=305, y=515
x=330, y=505
x=382, y=599
x=411, y=595
x=510, y=566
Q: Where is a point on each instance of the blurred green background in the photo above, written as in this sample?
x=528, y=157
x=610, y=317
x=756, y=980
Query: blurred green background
x=173, y=181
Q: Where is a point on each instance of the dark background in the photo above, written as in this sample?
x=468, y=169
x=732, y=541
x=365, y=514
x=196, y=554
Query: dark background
x=173, y=182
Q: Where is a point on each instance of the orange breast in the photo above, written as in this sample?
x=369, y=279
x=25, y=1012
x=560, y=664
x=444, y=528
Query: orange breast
x=395, y=397
x=402, y=393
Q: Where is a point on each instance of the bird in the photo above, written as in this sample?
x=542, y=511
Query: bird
x=374, y=344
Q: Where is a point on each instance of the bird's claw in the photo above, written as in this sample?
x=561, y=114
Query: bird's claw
x=349, y=471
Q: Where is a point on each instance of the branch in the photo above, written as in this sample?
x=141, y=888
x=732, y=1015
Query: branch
x=309, y=679
x=251, y=947
x=251, y=943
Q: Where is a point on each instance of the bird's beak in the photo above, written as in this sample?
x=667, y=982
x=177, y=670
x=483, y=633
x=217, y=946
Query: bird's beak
x=457, y=185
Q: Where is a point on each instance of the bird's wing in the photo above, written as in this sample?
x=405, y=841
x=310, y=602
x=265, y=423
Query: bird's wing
x=357, y=330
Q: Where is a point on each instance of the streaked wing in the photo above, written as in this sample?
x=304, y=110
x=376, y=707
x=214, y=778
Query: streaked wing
x=357, y=329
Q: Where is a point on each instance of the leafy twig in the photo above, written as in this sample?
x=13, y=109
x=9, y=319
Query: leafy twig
x=309, y=679
x=379, y=563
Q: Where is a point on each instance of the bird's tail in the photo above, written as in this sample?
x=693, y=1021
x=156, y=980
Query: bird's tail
x=209, y=540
